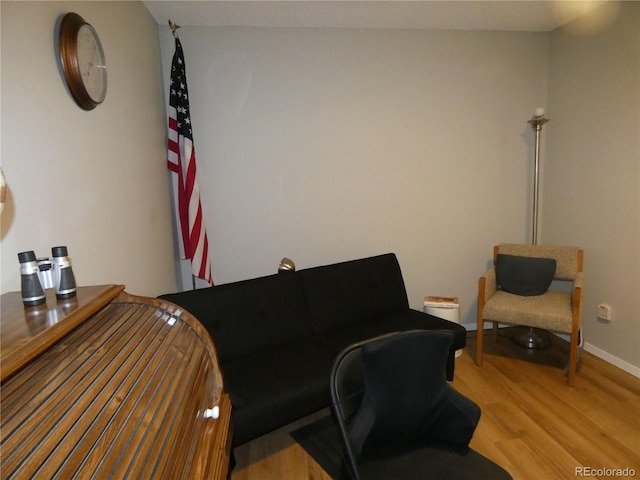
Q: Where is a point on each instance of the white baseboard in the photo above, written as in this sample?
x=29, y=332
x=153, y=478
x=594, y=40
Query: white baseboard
x=598, y=352
x=613, y=360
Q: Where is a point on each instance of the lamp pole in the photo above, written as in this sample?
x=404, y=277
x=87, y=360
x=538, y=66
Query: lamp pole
x=536, y=123
x=534, y=338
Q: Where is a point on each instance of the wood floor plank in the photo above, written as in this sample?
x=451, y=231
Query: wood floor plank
x=532, y=423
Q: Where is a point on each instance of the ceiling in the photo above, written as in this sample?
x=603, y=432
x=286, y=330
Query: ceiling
x=518, y=15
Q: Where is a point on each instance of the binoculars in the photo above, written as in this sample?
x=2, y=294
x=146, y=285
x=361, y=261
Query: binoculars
x=39, y=274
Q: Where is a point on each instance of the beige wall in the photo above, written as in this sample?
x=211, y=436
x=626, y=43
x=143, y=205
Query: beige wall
x=326, y=145
x=592, y=172
x=94, y=181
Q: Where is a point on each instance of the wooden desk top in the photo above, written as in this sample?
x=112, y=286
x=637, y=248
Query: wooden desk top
x=25, y=332
x=110, y=386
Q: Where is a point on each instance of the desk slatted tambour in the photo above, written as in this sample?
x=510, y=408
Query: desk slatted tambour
x=109, y=385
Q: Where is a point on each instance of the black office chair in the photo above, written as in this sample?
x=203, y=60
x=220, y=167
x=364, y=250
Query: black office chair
x=397, y=415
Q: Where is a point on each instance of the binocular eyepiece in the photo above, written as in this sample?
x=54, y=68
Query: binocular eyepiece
x=40, y=274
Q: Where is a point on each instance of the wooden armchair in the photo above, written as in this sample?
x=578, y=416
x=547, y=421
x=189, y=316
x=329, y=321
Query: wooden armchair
x=553, y=310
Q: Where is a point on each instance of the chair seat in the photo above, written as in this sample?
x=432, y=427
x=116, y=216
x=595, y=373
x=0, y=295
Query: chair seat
x=433, y=463
x=551, y=310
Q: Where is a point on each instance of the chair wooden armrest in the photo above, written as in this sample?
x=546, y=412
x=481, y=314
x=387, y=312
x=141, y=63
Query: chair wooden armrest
x=578, y=282
x=490, y=283
x=487, y=286
x=577, y=293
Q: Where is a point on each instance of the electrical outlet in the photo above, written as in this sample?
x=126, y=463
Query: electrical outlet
x=605, y=312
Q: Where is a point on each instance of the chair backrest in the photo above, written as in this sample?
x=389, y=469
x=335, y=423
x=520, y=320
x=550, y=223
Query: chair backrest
x=347, y=390
x=569, y=260
x=347, y=383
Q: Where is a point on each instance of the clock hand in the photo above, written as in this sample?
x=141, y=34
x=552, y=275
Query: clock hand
x=93, y=57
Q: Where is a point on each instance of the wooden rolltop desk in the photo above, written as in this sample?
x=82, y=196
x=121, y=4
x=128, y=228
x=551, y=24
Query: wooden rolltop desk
x=109, y=385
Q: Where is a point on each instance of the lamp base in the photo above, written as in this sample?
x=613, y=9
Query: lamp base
x=534, y=338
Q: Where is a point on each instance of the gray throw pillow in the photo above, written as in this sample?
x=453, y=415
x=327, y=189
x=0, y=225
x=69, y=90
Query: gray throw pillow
x=527, y=276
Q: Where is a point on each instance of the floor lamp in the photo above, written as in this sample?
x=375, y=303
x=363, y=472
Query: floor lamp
x=535, y=338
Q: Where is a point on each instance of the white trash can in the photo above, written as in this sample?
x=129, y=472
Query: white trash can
x=446, y=308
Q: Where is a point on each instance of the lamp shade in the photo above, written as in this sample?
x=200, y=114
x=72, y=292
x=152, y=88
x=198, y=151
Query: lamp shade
x=286, y=265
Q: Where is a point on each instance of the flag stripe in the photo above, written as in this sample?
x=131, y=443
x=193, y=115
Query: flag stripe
x=181, y=159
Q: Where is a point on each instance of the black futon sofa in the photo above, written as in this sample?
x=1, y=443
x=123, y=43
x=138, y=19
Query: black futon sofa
x=277, y=336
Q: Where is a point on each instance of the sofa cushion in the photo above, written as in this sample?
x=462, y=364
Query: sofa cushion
x=272, y=388
x=251, y=315
x=350, y=292
x=340, y=338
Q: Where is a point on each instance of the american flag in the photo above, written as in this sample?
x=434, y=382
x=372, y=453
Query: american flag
x=182, y=161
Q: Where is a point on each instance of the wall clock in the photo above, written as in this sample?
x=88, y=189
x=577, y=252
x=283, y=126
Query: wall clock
x=83, y=61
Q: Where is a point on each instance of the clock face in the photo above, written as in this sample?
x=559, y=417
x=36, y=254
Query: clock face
x=92, y=63
x=83, y=61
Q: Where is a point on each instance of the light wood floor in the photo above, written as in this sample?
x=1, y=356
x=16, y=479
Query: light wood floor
x=532, y=424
